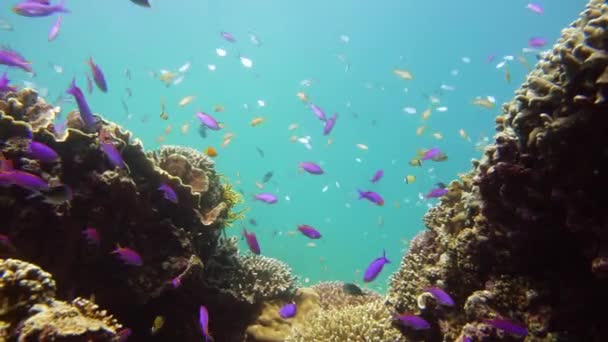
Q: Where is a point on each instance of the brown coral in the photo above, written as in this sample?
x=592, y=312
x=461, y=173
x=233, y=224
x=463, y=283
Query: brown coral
x=333, y=296
x=22, y=285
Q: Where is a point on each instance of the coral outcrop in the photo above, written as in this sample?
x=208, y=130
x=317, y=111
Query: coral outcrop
x=113, y=198
x=29, y=311
x=523, y=237
x=332, y=296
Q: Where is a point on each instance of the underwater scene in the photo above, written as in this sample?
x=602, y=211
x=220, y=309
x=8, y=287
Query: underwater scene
x=273, y=171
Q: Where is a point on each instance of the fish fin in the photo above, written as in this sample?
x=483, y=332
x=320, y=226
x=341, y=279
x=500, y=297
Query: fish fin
x=72, y=89
x=61, y=7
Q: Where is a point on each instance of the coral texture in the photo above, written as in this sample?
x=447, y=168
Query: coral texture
x=30, y=313
x=332, y=296
x=524, y=235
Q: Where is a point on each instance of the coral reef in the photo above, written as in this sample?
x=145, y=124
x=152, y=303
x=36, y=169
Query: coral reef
x=523, y=236
x=332, y=296
x=29, y=311
x=112, y=200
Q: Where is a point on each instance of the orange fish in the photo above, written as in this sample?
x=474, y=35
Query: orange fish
x=211, y=152
x=404, y=74
x=256, y=121
x=168, y=129
x=302, y=96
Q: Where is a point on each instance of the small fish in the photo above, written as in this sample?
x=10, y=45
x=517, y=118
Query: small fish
x=184, y=68
x=267, y=176
x=24, y=180
x=228, y=36
x=375, y=267
x=125, y=333
x=253, y=222
x=208, y=121
x=14, y=59
x=98, y=76
x=42, y=152
x=420, y=130
x=266, y=198
x=288, y=310
x=484, y=102
x=311, y=168
x=247, y=63
x=302, y=96
x=404, y=74
x=256, y=121
x=128, y=74
x=203, y=320
x=507, y=74
x=142, y=3
x=83, y=107
x=168, y=193
x=319, y=113
x=536, y=8
x=409, y=179
x=92, y=236
x=54, y=31
x=507, y=326
x=218, y=108
x=5, y=25
x=128, y=256
x=537, y=42
x=211, y=151
x=253, y=38
x=38, y=9
x=129, y=92
x=186, y=100
x=158, y=323
x=4, y=84
x=430, y=154
x=309, y=231
x=110, y=150
x=377, y=176
x=412, y=321
x=329, y=124
x=260, y=151
x=252, y=242
x=371, y=196
x=440, y=296
x=352, y=289
x=426, y=114
x=163, y=112
x=362, y=147
x=436, y=193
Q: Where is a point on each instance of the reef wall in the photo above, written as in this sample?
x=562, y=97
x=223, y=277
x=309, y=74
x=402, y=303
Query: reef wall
x=139, y=231
x=523, y=238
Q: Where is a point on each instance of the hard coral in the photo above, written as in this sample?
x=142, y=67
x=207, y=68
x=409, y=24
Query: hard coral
x=22, y=285
x=332, y=296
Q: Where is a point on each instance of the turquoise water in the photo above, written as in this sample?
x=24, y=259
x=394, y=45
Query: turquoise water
x=301, y=41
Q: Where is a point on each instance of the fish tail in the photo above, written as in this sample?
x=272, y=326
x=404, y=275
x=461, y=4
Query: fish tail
x=361, y=194
x=61, y=7
x=72, y=89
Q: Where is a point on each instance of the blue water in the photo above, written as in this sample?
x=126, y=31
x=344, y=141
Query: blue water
x=301, y=41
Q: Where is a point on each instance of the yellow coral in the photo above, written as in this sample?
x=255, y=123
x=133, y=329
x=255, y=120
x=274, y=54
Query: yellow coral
x=231, y=198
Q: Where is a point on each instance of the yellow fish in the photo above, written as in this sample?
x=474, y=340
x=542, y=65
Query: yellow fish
x=464, y=135
x=404, y=74
x=409, y=179
x=256, y=121
x=426, y=114
x=166, y=77
x=420, y=130
x=484, y=102
x=186, y=100
x=158, y=323
x=437, y=136
x=415, y=162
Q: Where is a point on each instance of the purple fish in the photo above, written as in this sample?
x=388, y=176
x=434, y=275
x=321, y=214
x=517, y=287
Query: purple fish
x=24, y=180
x=203, y=320
x=266, y=198
x=14, y=59
x=124, y=334
x=92, y=236
x=38, y=9
x=4, y=84
x=311, y=168
x=377, y=176
x=208, y=121
x=42, y=152
x=54, y=31
x=128, y=256
x=288, y=310
x=329, y=124
x=375, y=267
x=98, y=76
x=83, y=107
x=507, y=326
x=430, y=154
x=228, y=36
x=436, y=193
x=537, y=42
x=371, y=196
x=176, y=282
x=440, y=296
x=168, y=193
x=536, y=8
x=112, y=153
x=252, y=242
x=413, y=321
x=309, y=231
x=318, y=112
